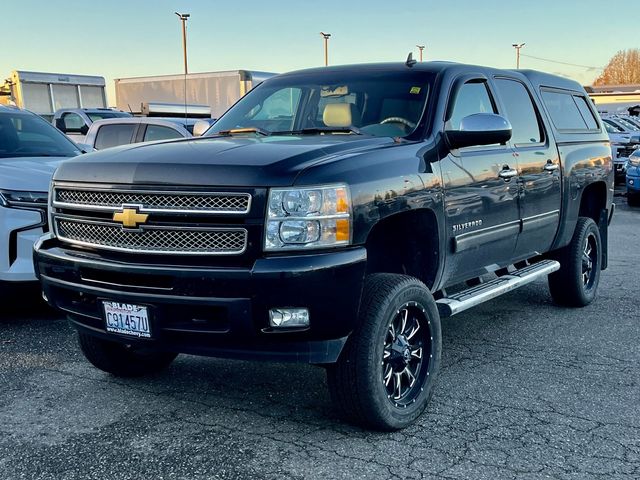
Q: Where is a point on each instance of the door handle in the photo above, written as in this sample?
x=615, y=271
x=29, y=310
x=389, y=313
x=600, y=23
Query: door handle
x=551, y=167
x=507, y=173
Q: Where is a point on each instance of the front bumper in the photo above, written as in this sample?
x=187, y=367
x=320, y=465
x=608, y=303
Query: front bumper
x=620, y=167
x=633, y=180
x=220, y=312
x=21, y=228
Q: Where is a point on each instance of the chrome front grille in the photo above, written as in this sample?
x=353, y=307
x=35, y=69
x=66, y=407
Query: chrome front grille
x=153, y=239
x=163, y=202
x=147, y=220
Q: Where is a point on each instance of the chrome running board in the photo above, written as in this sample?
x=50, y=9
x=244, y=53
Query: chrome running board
x=461, y=301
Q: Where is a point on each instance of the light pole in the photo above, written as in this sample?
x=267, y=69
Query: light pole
x=326, y=47
x=518, y=47
x=183, y=18
x=421, y=48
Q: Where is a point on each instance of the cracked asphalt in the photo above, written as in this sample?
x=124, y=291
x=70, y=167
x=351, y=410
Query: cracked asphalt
x=527, y=390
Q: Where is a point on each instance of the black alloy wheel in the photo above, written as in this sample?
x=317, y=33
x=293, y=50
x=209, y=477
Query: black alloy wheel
x=406, y=354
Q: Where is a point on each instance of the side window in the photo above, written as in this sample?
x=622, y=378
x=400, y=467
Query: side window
x=586, y=112
x=472, y=98
x=72, y=121
x=113, y=135
x=158, y=132
x=566, y=113
x=520, y=111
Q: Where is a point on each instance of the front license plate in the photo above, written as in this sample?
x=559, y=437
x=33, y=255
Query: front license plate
x=126, y=319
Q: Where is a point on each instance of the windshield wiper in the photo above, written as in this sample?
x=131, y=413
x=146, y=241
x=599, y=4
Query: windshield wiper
x=317, y=130
x=237, y=131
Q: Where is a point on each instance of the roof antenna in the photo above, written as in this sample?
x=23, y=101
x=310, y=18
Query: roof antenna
x=410, y=61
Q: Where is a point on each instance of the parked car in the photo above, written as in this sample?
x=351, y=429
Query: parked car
x=623, y=122
x=623, y=144
x=333, y=216
x=75, y=122
x=122, y=131
x=633, y=179
x=633, y=122
x=30, y=150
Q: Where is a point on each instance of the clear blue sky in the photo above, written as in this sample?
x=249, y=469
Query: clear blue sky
x=126, y=38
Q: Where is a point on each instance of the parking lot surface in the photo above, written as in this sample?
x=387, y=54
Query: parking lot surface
x=527, y=390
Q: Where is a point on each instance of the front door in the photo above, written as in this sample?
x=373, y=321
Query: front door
x=481, y=194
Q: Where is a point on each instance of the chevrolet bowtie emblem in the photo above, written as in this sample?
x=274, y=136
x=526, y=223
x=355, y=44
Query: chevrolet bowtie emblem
x=129, y=217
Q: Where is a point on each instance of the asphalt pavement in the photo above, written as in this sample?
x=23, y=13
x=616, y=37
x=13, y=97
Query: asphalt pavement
x=527, y=390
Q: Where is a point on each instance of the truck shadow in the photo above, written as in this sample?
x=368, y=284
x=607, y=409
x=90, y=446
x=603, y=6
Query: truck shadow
x=232, y=391
x=24, y=302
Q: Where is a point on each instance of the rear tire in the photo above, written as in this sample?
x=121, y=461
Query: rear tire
x=122, y=360
x=385, y=375
x=576, y=283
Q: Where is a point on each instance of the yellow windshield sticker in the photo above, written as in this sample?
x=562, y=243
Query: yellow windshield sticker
x=415, y=90
x=334, y=92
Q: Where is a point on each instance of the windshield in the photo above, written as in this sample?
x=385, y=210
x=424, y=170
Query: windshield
x=95, y=116
x=373, y=103
x=28, y=135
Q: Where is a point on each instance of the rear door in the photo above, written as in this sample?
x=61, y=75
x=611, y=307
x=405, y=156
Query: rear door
x=539, y=169
x=481, y=192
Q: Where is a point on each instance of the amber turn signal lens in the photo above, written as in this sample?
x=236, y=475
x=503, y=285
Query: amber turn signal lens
x=342, y=230
x=342, y=204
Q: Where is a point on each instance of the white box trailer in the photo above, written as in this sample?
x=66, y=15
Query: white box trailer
x=219, y=90
x=44, y=93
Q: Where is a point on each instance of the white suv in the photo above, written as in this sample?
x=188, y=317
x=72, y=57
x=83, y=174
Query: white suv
x=30, y=150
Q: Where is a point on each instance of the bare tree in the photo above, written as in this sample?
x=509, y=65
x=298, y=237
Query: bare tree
x=622, y=69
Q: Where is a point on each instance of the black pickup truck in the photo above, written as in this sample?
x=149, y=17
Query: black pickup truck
x=333, y=216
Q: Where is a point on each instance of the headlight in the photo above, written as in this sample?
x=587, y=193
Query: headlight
x=310, y=217
x=634, y=160
x=12, y=198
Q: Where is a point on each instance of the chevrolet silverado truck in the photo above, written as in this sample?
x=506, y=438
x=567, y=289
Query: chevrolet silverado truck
x=334, y=216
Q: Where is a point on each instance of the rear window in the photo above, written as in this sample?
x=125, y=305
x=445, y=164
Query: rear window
x=95, y=116
x=569, y=111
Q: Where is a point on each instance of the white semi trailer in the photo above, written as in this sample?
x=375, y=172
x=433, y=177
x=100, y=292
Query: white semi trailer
x=219, y=90
x=44, y=93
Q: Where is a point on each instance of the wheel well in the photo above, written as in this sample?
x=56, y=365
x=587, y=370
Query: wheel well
x=405, y=243
x=593, y=201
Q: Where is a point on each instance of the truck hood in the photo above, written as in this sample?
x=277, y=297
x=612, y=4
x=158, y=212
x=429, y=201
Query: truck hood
x=32, y=174
x=220, y=161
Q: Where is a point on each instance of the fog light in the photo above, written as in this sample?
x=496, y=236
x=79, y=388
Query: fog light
x=289, y=317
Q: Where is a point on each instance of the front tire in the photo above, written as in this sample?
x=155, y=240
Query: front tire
x=385, y=376
x=576, y=283
x=122, y=360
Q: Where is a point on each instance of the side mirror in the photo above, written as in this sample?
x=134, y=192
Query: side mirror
x=480, y=129
x=60, y=125
x=200, y=127
x=84, y=129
